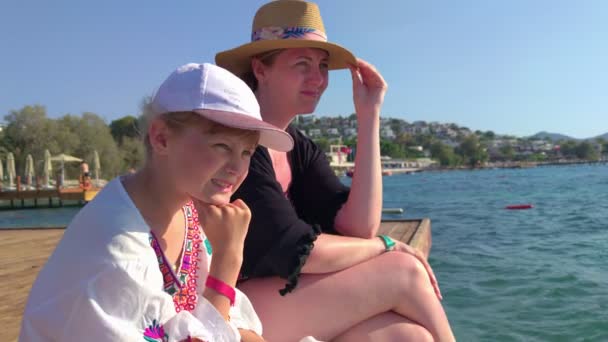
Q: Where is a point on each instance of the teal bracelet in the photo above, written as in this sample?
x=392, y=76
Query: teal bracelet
x=389, y=243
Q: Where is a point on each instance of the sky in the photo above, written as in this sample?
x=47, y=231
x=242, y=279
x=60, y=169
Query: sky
x=514, y=66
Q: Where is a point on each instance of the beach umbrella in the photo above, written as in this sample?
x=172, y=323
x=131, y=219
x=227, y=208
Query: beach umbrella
x=65, y=158
x=29, y=169
x=10, y=169
x=96, y=166
x=47, y=170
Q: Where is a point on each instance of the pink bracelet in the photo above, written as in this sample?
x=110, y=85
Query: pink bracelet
x=221, y=288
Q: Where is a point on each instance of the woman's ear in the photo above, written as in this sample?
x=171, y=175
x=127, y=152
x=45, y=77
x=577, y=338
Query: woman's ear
x=158, y=136
x=259, y=69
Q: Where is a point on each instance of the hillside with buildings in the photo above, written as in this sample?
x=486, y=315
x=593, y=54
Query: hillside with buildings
x=451, y=144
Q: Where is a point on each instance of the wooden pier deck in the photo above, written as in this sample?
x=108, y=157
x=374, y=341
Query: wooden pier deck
x=24, y=251
x=48, y=197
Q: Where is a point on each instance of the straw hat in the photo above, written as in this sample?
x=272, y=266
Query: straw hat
x=284, y=24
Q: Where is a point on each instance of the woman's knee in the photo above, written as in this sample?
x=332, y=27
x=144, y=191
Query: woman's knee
x=404, y=271
x=415, y=333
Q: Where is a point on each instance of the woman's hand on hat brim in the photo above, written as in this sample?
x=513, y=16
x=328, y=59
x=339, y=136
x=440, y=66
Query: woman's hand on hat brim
x=369, y=88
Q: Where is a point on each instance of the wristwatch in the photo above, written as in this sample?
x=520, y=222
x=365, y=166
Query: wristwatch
x=389, y=243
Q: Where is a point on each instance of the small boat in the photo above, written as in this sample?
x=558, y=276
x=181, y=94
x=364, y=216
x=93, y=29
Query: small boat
x=392, y=211
x=519, y=206
x=350, y=173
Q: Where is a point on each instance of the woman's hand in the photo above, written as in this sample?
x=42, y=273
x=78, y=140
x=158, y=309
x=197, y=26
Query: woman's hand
x=225, y=226
x=405, y=248
x=368, y=89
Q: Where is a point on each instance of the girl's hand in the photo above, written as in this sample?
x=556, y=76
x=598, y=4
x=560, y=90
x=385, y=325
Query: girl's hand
x=405, y=248
x=368, y=89
x=250, y=336
x=225, y=226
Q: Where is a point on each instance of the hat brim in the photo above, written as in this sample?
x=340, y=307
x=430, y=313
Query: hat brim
x=270, y=136
x=237, y=60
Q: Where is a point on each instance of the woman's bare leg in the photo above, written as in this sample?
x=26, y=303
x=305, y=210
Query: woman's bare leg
x=384, y=327
x=328, y=305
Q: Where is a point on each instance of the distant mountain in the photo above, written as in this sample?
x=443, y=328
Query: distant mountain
x=557, y=137
x=603, y=136
x=551, y=136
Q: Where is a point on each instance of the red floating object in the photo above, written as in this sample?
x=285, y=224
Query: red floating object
x=519, y=206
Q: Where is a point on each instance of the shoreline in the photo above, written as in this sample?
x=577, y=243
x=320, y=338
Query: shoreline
x=517, y=165
x=341, y=171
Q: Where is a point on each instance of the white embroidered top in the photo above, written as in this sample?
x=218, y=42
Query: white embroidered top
x=104, y=282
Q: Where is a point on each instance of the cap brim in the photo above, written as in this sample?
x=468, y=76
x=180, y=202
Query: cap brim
x=238, y=59
x=270, y=136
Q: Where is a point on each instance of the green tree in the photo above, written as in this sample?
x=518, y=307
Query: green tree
x=391, y=149
x=445, y=154
x=323, y=144
x=28, y=131
x=405, y=139
x=93, y=134
x=585, y=150
x=424, y=140
x=538, y=157
x=133, y=153
x=507, y=152
x=124, y=127
x=473, y=154
x=395, y=125
x=568, y=148
x=603, y=145
x=488, y=135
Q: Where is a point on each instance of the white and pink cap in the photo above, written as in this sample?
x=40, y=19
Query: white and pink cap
x=218, y=95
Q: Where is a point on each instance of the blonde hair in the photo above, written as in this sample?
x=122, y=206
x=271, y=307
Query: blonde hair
x=176, y=121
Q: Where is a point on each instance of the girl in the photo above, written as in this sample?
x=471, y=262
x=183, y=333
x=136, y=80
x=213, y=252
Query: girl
x=306, y=226
x=135, y=263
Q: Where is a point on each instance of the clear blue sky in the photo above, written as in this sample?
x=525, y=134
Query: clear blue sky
x=514, y=67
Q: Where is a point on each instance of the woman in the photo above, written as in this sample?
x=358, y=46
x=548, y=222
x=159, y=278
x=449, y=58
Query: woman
x=306, y=226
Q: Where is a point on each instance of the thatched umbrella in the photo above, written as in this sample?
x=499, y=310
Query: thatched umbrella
x=10, y=169
x=96, y=166
x=47, y=170
x=29, y=169
x=65, y=158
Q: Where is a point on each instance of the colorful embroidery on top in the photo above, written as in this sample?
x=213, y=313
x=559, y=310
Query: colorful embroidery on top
x=182, y=285
x=155, y=333
x=208, y=246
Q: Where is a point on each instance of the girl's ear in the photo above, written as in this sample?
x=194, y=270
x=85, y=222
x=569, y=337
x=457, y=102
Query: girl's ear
x=158, y=135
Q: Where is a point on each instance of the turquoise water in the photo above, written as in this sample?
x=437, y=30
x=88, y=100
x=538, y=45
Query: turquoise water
x=40, y=217
x=526, y=275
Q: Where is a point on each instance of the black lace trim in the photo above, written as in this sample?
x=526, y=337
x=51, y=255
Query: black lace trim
x=305, y=245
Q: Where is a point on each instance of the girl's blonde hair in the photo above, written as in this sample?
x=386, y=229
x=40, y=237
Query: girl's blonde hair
x=176, y=121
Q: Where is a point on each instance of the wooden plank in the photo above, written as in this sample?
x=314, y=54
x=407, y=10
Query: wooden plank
x=416, y=233
x=422, y=240
x=27, y=194
x=24, y=251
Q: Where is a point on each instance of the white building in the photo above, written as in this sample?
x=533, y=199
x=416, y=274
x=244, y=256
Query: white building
x=314, y=132
x=387, y=132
